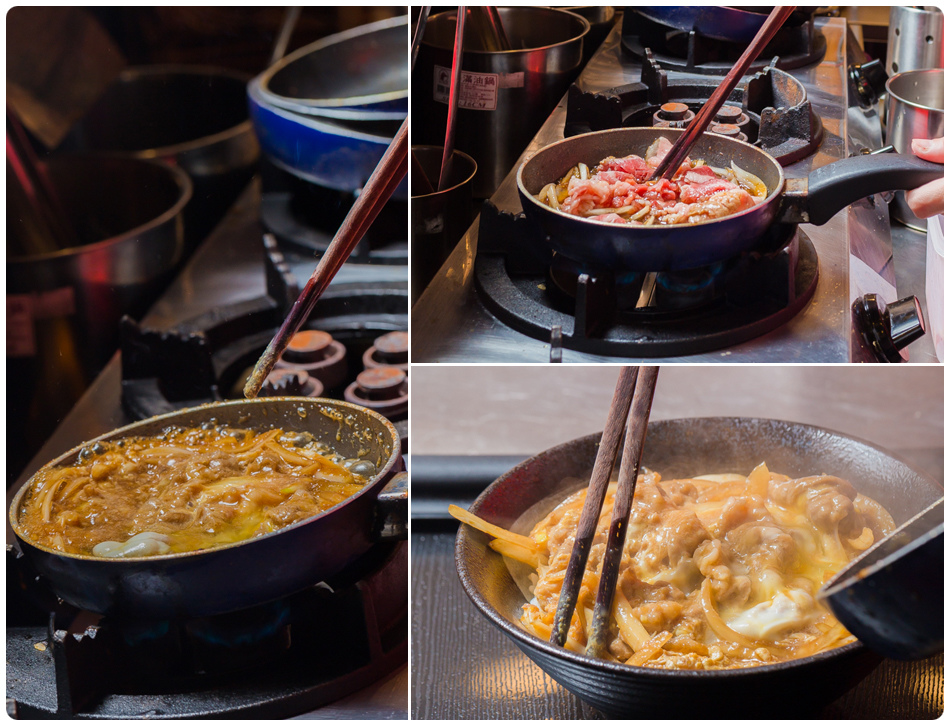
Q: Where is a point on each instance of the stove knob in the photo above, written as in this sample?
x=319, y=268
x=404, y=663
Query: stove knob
x=391, y=349
x=384, y=389
x=883, y=332
x=869, y=78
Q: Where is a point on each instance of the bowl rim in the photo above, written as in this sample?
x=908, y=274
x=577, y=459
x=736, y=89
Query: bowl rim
x=524, y=639
x=131, y=430
x=175, y=174
x=242, y=128
x=343, y=107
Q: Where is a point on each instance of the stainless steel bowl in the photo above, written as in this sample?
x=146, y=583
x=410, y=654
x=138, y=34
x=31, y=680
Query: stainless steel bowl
x=914, y=111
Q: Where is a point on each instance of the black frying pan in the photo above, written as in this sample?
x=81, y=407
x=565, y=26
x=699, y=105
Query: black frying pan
x=682, y=448
x=657, y=248
x=254, y=571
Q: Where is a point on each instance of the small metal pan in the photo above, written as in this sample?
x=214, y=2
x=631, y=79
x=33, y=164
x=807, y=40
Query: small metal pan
x=891, y=597
x=657, y=248
x=243, y=574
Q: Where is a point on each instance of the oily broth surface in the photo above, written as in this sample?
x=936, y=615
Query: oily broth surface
x=195, y=488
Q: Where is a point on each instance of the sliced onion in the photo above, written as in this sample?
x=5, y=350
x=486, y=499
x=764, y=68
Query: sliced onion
x=755, y=186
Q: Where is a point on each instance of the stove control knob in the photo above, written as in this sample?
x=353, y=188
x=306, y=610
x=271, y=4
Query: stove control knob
x=869, y=78
x=882, y=331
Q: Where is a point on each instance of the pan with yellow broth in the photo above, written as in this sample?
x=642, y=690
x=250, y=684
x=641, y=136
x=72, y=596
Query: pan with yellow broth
x=524, y=496
x=312, y=482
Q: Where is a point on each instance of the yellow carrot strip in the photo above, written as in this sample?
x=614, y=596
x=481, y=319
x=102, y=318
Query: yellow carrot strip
x=491, y=529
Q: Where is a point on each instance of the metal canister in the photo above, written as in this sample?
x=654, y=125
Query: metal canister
x=505, y=95
x=439, y=219
x=914, y=111
x=914, y=39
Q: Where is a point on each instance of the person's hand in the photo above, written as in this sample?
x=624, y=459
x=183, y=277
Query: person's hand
x=926, y=201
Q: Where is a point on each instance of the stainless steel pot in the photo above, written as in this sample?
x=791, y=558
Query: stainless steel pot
x=193, y=117
x=601, y=19
x=506, y=95
x=914, y=111
x=63, y=307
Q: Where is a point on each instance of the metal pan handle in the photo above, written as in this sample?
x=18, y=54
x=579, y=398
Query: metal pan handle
x=392, y=510
x=833, y=187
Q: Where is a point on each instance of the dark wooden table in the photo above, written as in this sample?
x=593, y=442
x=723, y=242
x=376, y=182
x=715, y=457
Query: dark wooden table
x=462, y=667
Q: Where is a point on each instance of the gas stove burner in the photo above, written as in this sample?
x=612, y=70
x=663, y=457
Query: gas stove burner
x=796, y=45
x=771, y=109
x=304, y=218
x=291, y=383
x=209, y=357
x=277, y=660
x=317, y=354
x=633, y=314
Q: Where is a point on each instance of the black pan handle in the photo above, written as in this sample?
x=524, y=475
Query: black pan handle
x=833, y=187
x=392, y=509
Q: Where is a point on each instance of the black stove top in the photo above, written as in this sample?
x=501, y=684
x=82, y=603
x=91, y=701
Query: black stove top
x=276, y=660
x=794, y=46
x=303, y=217
x=354, y=328
x=770, y=110
x=571, y=305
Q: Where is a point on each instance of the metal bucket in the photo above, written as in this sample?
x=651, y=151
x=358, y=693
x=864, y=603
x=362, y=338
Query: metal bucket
x=192, y=117
x=601, y=18
x=63, y=307
x=439, y=219
x=914, y=111
x=506, y=95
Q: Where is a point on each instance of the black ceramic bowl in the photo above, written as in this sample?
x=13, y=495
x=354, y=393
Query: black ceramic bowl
x=682, y=448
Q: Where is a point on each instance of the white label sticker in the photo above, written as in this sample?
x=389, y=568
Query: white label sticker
x=478, y=91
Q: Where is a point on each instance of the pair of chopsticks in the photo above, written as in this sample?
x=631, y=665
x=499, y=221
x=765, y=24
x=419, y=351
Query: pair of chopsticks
x=630, y=410
x=675, y=156
x=382, y=183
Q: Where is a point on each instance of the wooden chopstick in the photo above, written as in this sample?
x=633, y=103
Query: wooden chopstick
x=680, y=149
x=454, y=90
x=599, y=479
x=637, y=421
x=387, y=175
